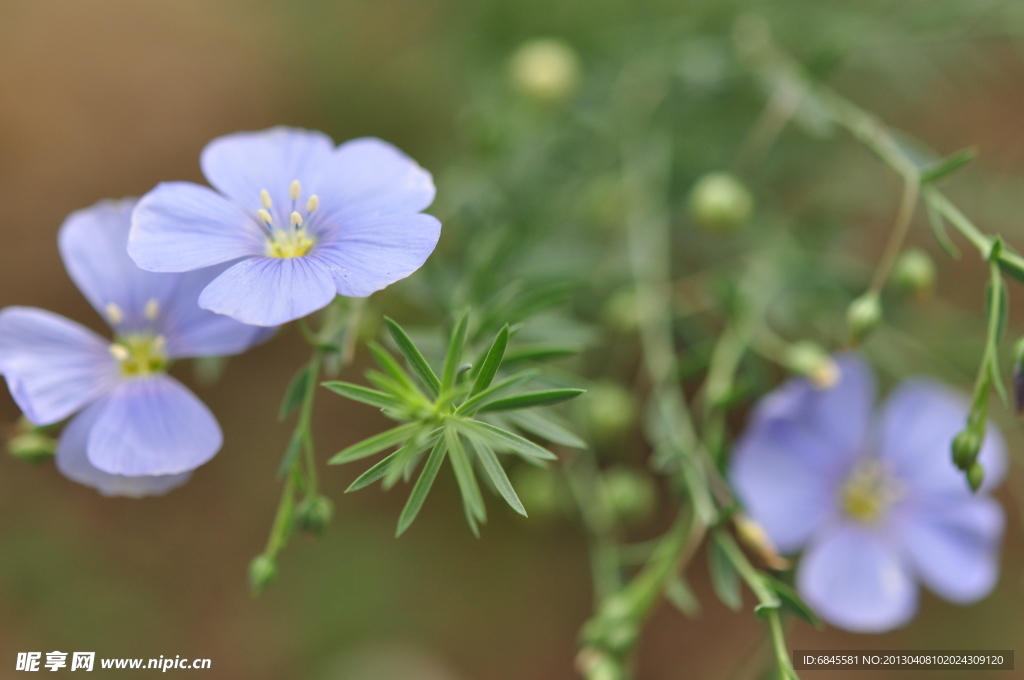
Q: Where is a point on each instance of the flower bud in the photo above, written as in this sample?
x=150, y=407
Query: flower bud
x=32, y=447
x=719, y=202
x=914, y=272
x=966, y=446
x=313, y=515
x=756, y=538
x=610, y=411
x=863, y=316
x=809, y=359
x=976, y=476
x=545, y=69
x=262, y=572
x=630, y=494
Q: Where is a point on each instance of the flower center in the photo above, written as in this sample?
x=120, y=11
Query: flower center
x=140, y=354
x=291, y=239
x=869, y=492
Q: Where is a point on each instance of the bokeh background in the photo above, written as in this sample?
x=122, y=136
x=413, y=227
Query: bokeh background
x=106, y=98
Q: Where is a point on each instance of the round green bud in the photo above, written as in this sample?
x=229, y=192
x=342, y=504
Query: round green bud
x=262, y=572
x=540, y=491
x=811, y=360
x=610, y=411
x=966, y=447
x=863, y=316
x=313, y=515
x=976, y=476
x=32, y=447
x=545, y=69
x=914, y=272
x=719, y=202
x=630, y=494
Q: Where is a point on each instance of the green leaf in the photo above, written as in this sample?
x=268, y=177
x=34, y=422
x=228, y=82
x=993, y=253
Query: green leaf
x=997, y=310
x=391, y=367
x=539, y=353
x=502, y=439
x=472, y=500
x=724, y=578
x=363, y=394
x=491, y=362
x=791, y=600
x=422, y=487
x=471, y=405
x=938, y=225
x=291, y=453
x=416, y=361
x=377, y=443
x=545, y=427
x=453, y=358
x=497, y=474
x=530, y=400
x=680, y=595
x=947, y=165
x=295, y=393
x=409, y=455
x=374, y=473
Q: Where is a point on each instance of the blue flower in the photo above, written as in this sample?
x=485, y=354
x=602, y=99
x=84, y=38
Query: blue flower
x=139, y=432
x=874, y=501
x=301, y=219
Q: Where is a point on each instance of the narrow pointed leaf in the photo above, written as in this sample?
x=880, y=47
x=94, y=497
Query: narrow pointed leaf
x=374, y=473
x=499, y=388
x=453, y=358
x=295, y=393
x=938, y=225
x=362, y=394
x=422, y=487
x=412, y=355
x=290, y=454
x=503, y=440
x=491, y=362
x=409, y=455
x=545, y=427
x=724, y=579
x=679, y=593
x=391, y=367
x=947, y=165
x=498, y=477
x=472, y=500
x=792, y=601
x=530, y=400
x=539, y=353
x=376, y=443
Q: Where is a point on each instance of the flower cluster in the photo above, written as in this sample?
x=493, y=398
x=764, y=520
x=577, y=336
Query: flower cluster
x=187, y=272
x=874, y=500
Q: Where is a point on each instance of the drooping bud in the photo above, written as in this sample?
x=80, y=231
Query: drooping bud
x=810, y=360
x=756, y=538
x=863, y=316
x=976, y=476
x=313, y=515
x=629, y=493
x=719, y=202
x=966, y=447
x=545, y=69
x=262, y=572
x=32, y=447
x=914, y=272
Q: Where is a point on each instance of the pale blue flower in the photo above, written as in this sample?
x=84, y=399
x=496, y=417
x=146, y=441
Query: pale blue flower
x=300, y=219
x=139, y=431
x=874, y=500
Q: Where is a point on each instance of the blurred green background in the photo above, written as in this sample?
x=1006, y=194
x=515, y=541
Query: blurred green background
x=106, y=98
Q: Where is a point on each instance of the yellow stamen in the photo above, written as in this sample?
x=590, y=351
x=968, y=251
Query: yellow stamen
x=114, y=313
x=295, y=190
x=119, y=352
x=152, y=309
x=869, y=492
x=313, y=203
x=265, y=199
x=296, y=219
x=140, y=355
x=265, y=216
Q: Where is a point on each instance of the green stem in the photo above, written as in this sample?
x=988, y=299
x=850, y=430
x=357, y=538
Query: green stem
x=782, y=659
x=305, y=422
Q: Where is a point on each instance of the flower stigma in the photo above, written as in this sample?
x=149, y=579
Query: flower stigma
x=293, y=239
x=869, y=492
x=140, y=355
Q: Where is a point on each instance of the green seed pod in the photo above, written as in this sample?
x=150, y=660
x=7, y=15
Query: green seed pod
x=914, y=272
x=262, y=572
x=32, y=447
x=976, y=476
x=719, y=202
x=313, y=515
x=545, y=69
x=863, y=316
x=629, y=493
x=966, y=446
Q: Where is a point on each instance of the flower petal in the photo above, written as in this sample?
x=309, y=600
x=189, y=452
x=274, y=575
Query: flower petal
x=370, y=254
x=242, y=164
x=918, y=423
x=955, y=547
x=180, y=226
x=73, y=463
x=152, y=426
x=268, y=291
x=855, y=580
x=53, y=366
x=369, y=178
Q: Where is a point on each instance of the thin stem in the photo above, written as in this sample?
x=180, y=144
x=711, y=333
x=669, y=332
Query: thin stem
x=899, y=233
x=304, y=423
x=782, y=660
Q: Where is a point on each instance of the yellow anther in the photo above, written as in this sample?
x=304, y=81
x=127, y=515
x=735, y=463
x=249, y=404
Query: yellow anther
x=119, y=352
x=265, y=216
x=152, y=309
x=265, y=199
x=313, y=203
x=296, y=219
x=159, y=344
x=114, y=313
x=295, y=190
